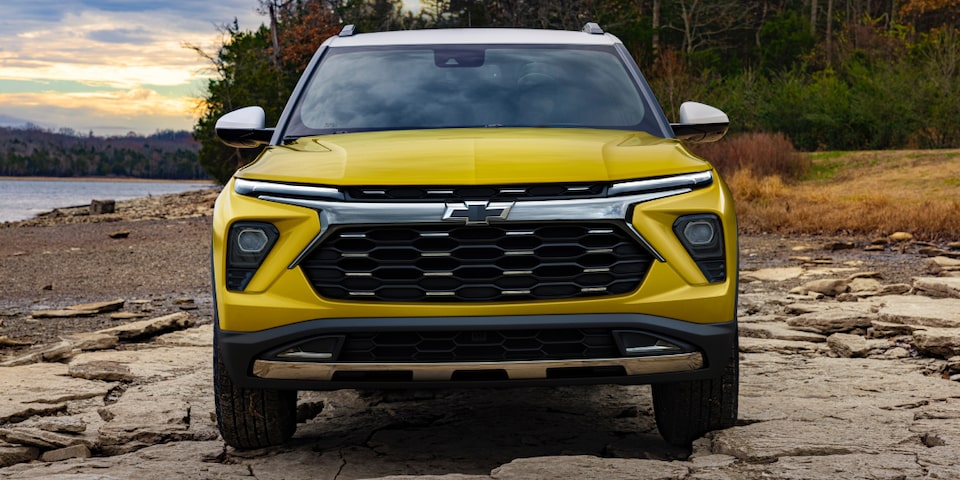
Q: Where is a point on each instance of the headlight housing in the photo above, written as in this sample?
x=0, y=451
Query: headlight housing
x=702, y=236
x=248, y=243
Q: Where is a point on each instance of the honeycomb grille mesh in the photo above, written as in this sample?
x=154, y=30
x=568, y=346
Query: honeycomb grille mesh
x=451, y=263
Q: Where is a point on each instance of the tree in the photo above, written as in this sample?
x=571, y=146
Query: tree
x=370, y=15
x=928, y=14
x=243, y=76
x=705, y=23
x=784, y=39
x=302, y=27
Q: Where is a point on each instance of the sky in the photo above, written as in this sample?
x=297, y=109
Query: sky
x=110, y=66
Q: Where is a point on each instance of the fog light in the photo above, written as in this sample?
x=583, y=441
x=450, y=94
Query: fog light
x=702, y=236
x=248, y=244
x=699, y=232
x=252, y=240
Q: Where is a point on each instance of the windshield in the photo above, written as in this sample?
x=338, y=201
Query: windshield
x=447, y=86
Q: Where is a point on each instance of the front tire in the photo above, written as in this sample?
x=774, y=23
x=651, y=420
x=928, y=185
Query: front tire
x=251, y=418
x=686, y=410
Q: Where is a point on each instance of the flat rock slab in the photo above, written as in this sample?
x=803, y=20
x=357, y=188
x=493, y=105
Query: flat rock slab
x=942, y=287
x=42, y=388
x=815, y=389
x=17, y=454
x=6, y=341
x=152, y=327
x=181, y=461
x=101, y=370
x=896, y=466
x=778, y=331
x=847, y=345
x=826, y=286
x=179, y=409
x=866, y=307
x=767, y=345
x=149, y=363
x=64, y=313
x=833, y=321
x=938, y=342
x=582, y=466
x=201, y=336
x=922, y=311
x=765, y=442
x=43, y=439
x=771, y=274
x=83, y=310
x=845, y=410
x=826, y=271
x=66, y=348
x=60, y=454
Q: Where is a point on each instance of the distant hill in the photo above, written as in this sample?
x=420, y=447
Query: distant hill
x=34, y=151
x=13, y=122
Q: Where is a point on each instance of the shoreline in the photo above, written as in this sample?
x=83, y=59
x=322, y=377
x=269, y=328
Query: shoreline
x=26, y=198
x=185, y=204
x=105, y=179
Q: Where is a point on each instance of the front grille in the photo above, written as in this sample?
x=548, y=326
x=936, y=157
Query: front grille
x=473, y=192
x=450, y=263
x=478, y=346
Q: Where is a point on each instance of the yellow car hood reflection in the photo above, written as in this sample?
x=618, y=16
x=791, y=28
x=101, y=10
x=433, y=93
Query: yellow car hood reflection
x=473, y=156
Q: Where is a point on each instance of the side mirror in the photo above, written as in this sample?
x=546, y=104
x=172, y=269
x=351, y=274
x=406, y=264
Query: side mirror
x=700, y=123
x=244, y=128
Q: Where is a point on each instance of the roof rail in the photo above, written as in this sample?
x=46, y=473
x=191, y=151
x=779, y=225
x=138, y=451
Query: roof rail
x=592, y=28
x=348, y=30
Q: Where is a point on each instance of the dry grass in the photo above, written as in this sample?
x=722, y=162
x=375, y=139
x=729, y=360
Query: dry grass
x=857, y=193
x=763, y=154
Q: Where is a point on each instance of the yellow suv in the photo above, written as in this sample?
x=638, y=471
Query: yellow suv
x=474, y=207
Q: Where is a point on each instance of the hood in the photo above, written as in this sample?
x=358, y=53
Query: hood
x=472, y=157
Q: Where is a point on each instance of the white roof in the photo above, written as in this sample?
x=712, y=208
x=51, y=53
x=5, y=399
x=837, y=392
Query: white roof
x=475, y=36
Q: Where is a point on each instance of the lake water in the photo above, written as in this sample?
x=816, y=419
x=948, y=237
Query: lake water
x=23, y=199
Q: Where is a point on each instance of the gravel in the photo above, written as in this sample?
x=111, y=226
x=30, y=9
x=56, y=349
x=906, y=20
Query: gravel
x=157, y=266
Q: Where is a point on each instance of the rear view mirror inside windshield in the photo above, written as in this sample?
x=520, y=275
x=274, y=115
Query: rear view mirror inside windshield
x=458, y=57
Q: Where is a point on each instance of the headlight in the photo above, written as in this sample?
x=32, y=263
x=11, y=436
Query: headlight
x=248, y=244
x=691, y=181
x=702, y=236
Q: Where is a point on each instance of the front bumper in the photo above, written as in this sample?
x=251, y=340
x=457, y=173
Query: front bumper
x=245, y=354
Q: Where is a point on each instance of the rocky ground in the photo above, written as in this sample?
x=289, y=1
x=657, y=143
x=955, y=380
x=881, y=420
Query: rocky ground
x=850, y=357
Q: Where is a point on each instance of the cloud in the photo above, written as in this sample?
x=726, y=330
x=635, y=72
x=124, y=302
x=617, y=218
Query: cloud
x=106, y=49
x=139, y=110
x=115, y=76
x=121, y=35
x=20, y=13
x=89, y=63
x=151, y=35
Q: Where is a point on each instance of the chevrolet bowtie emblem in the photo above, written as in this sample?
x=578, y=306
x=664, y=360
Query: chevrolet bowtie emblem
x=477, y=212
